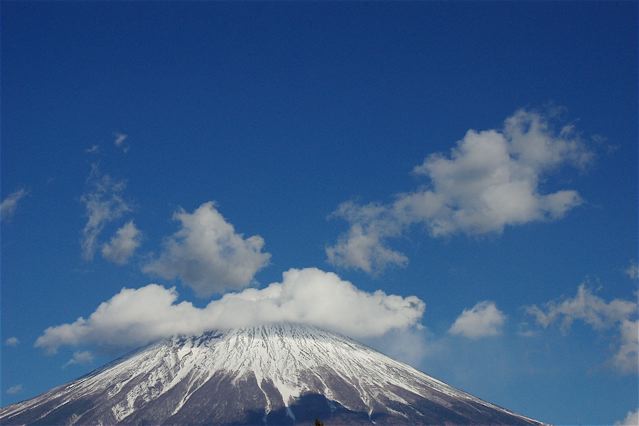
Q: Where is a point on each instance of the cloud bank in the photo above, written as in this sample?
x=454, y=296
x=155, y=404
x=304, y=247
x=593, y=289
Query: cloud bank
x=490, y=180
x=207, y=254
x=308, y=296
x=482, y=320
x=601, y=316
x=104, y=203
x=122, y=245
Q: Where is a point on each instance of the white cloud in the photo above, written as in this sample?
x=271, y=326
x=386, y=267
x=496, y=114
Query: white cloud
x=9, y=205
x=490, y=180
x=80, y=358
x=308, y=296
x=119, y=138
x=363, y=250
x=362, y=247
x=632, y=271
x=482, y=320
x=600, y=315
x=122, y=244
x=93, y=149
x=12, y=341
x=14, y=390
x=119, y=141
x=104, y=203
x=585, y=306
x=627, y=357
x=208, y=255
x=631, y=419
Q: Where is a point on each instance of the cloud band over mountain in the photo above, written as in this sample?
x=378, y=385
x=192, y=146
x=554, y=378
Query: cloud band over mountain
x=311, y=296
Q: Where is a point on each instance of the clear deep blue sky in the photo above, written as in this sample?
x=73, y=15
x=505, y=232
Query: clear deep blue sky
x=281, y=111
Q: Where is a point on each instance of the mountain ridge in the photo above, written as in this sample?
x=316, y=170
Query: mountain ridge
x=268, y=374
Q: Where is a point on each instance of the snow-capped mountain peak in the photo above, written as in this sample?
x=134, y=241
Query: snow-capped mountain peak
x=269, y=374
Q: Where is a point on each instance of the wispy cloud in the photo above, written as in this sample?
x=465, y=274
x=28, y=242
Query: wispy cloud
x=632, y=271
x=12, y=341
x=104, y=203
x=93, y=149
x=14, y=390
x=123, y=244
x=119, y=140
x=80, y=357
x=489, y=181
x=482, y=320
x=207, y=254
x=410, y=344
x=584, y=306
x=9, y=205
x=591, y=309
x=308, y=296
x=626, y=359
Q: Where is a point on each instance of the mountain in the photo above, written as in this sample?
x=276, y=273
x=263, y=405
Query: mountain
x=273, y=374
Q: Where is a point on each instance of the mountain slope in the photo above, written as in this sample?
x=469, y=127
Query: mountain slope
x=273, y=374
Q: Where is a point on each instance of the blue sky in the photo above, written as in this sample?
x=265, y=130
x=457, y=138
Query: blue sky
x=279, y=113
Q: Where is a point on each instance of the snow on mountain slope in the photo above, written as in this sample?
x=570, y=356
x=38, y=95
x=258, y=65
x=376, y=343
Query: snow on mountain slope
x=272, y=374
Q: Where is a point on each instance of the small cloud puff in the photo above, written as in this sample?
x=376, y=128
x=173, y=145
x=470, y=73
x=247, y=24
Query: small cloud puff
x=308, y=296
x=207, y=254
x=93, y=149
x=14, y=390
x=632, y=271
x=122, y=245
x=482, y=320
x=12, y=341
x=119, y=139
x=9, y=205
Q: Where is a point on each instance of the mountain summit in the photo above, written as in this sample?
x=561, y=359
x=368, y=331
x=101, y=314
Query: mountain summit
x=271, y=374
